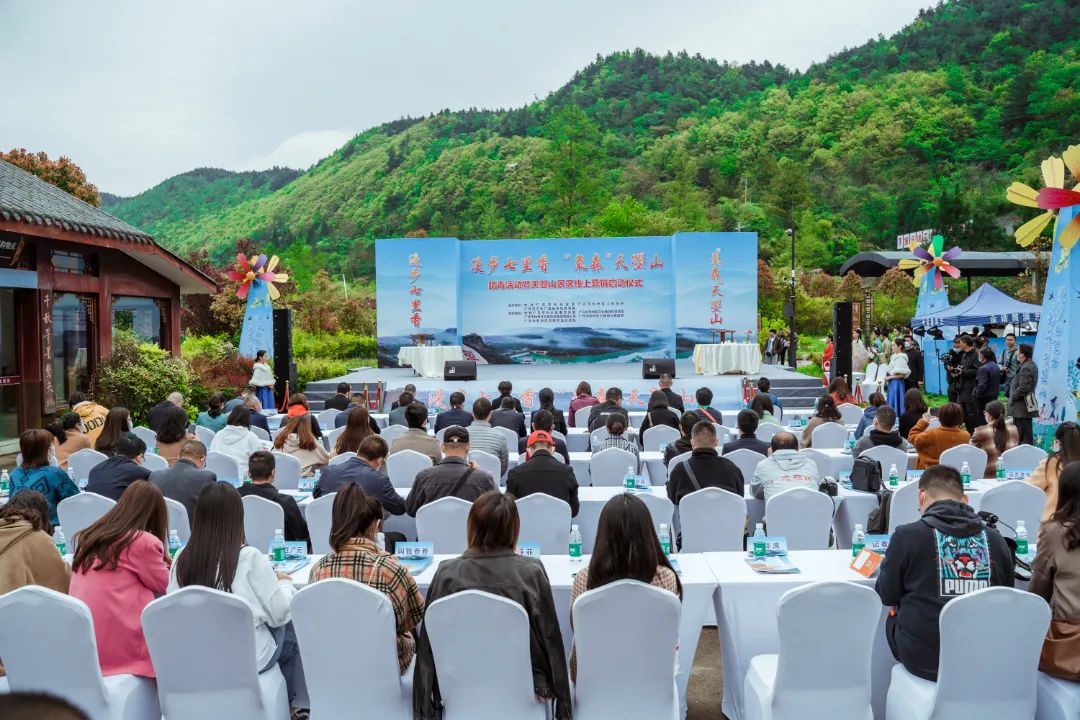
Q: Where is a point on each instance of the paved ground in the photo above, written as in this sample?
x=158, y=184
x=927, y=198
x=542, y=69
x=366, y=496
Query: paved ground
x=706, y=686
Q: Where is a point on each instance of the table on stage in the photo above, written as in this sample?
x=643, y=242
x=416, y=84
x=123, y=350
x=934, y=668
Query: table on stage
x=721, y=358
x=428, y=360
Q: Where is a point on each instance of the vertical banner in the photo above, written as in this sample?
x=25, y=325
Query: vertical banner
x=934, y=301
x=257, y=332
x=716, y=274
x=416, y=294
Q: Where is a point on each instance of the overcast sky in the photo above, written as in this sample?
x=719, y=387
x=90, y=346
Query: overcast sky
x=136, y=91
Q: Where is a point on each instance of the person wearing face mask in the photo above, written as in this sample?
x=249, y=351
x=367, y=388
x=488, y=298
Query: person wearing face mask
x=915, y=363
x=951, y=361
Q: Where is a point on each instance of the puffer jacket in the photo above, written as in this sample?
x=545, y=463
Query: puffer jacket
x=238, y=443
x=784, y=470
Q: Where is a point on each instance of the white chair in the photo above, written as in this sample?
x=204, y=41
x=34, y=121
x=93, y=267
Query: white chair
x=1015, y=500
x=822, y=624
x=887, y=457
x=178, y=519
x=439, y=435
x=747, y=462
x=202, y=644
x=205, y=435
x=403, y=466
x=1022, y=457
x=287, y=471
x=443, y=523
x=661, y=509
x=603, y=646
x=558, y=436
x=934, y=423
x=19, y=458
x=829, y=435
x=509, y=435
x=678, y=459
x=598, y=435
x=658, y=437
x=723, y=434
x=1057, y=699
x=975, y=458
x=545, y=520
x=801, y=515
x=332, y=436
x=608, y=467
x=326, y=418
x=823, y=462
x=1006, y=681
x=261, y=518
x=260, y=433
x=495, y=684
x=319, y=515
x=343, y=457
x=33, y=618
x=154, y=462
x=712, y=520
x=488, y=463
x=850, y=414
x=765, y=431
x=392, y=433
x=339, y=679
x=78, y=512
x=871, y=376
x=223, y=466
x=83, y=461
x=145, y=434
x=904, y=505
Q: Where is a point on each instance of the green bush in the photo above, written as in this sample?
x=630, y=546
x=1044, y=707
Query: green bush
x=811, y=370
x=338, y=346
x=314, y=369
x=139, y=375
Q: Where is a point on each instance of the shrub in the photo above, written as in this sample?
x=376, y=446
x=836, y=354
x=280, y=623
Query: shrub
x=338, y=346
x=139, y=375
x=216, y=364
x=314, y=369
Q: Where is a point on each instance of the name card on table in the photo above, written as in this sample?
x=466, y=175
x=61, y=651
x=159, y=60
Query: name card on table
x=914, y=474
x=1017, y=474
x=774, y=545
x=529, y=550
x=866, y=562
x=877, y=543
x=415, y=556
x=306, y=484
x=295, y=550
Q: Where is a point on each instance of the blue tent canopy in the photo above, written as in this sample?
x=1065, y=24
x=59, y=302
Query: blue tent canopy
x=985, y=306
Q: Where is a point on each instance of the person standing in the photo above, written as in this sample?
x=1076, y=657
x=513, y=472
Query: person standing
x=1022, y=404
x=987, y=383
x=951, y=361
x=827, y=355
x=898, y=373
x=262, y=377
x=965, y=394
x=915, y=363
x=859, y=357
x=1009, y=363
x=772, y=345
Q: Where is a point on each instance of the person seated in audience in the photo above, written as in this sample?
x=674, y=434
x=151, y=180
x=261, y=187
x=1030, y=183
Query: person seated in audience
x=704, y=468
x=881, y=432
x=355, y=521
x=156, y=415
x=546, y=398
x=27, y=553
x=298, y=440
x=367, y=470
x=764, y=387
x=416, y=437
x=995, y=436
x=840, y=393
x=682, y=444
x=930, y=443
x=36, y=473
x=37, y=706
x=91, y=415
x=117, y=424
x=616, y=426
x=876, y=400
x=111, y=477
x=340, y=399
x=747, y=421
x=236, y=439
x=245, y=392
x=492, y=565
x=626, y=548
x=485, y=438
x=544, y=473
x=506, y=416
x=69, y=438
x=185, y=480
x=357, y=429
x=356, y=402
x=397, y=412
x=785, y=468
x=914, y=408
x=214, y=417
x=947, y=553
x=543, y=420
x=704, y=397
x=121, y=564
x=298, y=407
x=255, y=415
x=453, y=476
x=261, y=469
x=1065, y=451
x=658, y=413
x=172, y=432
x=762, y=405
x=826, y=412
x=409, y=388
x=583, y=399
x=674, y=399
x=1055, y=572
x=217, y=557
x=505, y=390
x=612, y=405
x=456, y=415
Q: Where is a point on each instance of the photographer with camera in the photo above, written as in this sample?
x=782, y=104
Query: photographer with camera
x=951, y=361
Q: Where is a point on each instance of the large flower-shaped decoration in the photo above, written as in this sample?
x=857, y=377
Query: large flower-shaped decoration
x=932, y=260
x=256, y=268
x=1051, y=198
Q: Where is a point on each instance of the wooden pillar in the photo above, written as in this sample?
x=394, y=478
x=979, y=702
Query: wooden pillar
x=31, y=362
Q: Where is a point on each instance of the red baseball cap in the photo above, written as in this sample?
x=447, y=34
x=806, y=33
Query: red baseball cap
x=540, y=436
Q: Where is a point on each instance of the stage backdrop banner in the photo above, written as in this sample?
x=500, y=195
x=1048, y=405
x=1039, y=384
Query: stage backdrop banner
x=416, y=293
x=716, y=275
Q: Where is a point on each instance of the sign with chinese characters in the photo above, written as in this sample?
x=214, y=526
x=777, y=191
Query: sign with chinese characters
x=920, y=236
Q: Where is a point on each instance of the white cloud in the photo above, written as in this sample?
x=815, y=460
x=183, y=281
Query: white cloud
x=301, y=150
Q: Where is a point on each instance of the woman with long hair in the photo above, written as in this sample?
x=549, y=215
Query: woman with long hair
x=995, y=437
x=762, y=404
x=357, y=429
x=69, y=436
x=583, y=399
x=217, y=557
x=27, y=553
x=826, y=412
x=914, y=409
x=236, y=439
x=298, y=407
x=172, y=433
x=214, y=417
x=626, y=548
x=546, y=398
x=1066, y=450
x=263, y=380
x=296, y=439
x=36, y=473
x=839, y=392
x=117, y=423
x=898, y=372
x=659, y=413
x=355, y=521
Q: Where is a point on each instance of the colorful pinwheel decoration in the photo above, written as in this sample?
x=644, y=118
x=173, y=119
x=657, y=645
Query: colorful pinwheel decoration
x=932, y=260
x=257, y=268
x=1052, y=198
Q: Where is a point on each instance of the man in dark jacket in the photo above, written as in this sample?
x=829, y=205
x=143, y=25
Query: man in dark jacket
x=505, y=388
x=598, y=414
x=965, y=392
x=674, y=399
x=364, y=470
x=987, y=383
x=748, y=424
x=256, y=418
x=356, y=401
x=544, y=420
x=185, y=480
x=506, y=416
x=705, y=466
x=340, y=401
x=1024, y=384
x=915, y=363
x=261, y=469
x=409, y=388
x=112, y=477
x=456, y=415
x=952, y=371
x=544, y=473
x=156, y=415
x=947, y=553
x=453, y=476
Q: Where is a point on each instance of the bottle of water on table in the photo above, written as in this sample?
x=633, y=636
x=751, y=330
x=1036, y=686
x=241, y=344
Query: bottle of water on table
x=665, y=539
x=277, y=547
x=1021, y=538
x=1000, y=472
x=630, y=479
x=858, y=539
x=575, y=545
x=174, y=543
x=851, y=442
x=894, y=477
x=759, y=541
x=59, y=541
x=5, y=482
x=965, y=475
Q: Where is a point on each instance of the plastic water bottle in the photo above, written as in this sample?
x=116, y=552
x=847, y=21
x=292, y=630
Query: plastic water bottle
x=759, y=541
x=5, y=482
x=59, y=541
x=174, y=543
x=665, y=539
x=858, y=540
x=380, y=541
x=594, y=442
x=1021, y=538
x=575, y=544
x=71, y=474
x=851, y=442
x=965, y=475
x=894, y=477
x=1000, y=472
x=277, y=547
x=630, y=478
x=316, y=477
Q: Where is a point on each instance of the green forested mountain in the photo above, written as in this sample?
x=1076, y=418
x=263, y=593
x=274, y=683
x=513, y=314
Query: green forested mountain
x=922, y=129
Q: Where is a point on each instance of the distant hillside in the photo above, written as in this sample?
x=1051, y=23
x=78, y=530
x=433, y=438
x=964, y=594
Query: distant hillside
x=922, y=129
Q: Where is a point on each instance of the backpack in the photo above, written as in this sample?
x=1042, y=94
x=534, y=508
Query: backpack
x=877, y=522
x=865, y=474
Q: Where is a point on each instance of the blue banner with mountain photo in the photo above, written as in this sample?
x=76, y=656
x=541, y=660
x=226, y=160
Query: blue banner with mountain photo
x=416, y=294
x=257, y=330
x=716, y=277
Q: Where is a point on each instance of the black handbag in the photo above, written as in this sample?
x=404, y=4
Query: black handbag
x=865, y=474
x=829, y=487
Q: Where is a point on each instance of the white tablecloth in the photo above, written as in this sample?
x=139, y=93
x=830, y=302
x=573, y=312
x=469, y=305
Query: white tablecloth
x=428, y=361
x=720, y=358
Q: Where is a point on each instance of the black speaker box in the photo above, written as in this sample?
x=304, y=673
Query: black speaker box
x=459, y=370
x=284, y=367
x=652, y=369
x=842, y=330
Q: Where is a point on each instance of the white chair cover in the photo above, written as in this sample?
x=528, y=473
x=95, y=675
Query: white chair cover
x=934, y=423
x=683, y=457
x=287, y=470
x=713, y=520
x=319, y=515
x=1015, y=500
x=1057, y=699
x=598, y=435
x=339, y=678
x=558, y=436
x=202, y=644
x=1006, y=680
x=544, y=520
x=261, y=518
x=658, y=437
x=604, y=647
x=439, y=435
x=801, y=515
x=83, y=461
x=403, y=466
x=608, y=467
x=822, y=624
x=443, y=523
x=178, y=519
x=747, y=462
x=975, y=457
x=662, y=511
x=850, y=414
x=823, y=462
x=145, y=434
x=829, y=435
x=904, y=506
x=509, y=435
x=260, y=433
x=154, y=462
x=887, y=457
x=871, y=375
x=765, y=431
x=723, y=434
x=1022, y=457
x=332, y=436
x=392, y=433
x=78, y=512
x=338, y=459
x=488, y=463
x=33, y=618
x=326, y=418
x=223, y=466
x=205, y=435
x=495, y=684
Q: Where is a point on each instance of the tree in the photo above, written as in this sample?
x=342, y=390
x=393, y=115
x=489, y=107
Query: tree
x=573, y=165
x=62, y=173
